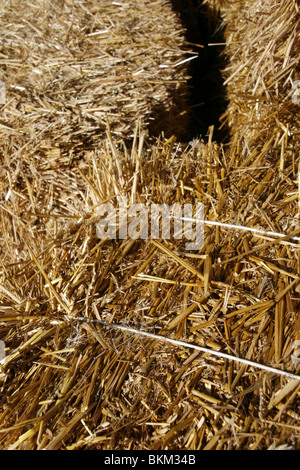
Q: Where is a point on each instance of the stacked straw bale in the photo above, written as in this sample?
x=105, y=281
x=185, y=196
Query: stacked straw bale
x=71, y=66
x=82, y=81
x=261, y=78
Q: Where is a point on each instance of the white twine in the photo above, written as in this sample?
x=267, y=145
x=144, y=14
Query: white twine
x=198, y=348
x=237, y=227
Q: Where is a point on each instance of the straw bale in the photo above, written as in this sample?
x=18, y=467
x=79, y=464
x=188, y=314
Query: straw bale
x=262, y=76
x=70, y=378
x=69, y=67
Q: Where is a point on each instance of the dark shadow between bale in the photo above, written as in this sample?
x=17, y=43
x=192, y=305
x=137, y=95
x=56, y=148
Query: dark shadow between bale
x=207, y=95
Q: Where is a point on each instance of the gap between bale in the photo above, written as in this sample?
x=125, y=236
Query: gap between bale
x=206, y=96
x=205, y=34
